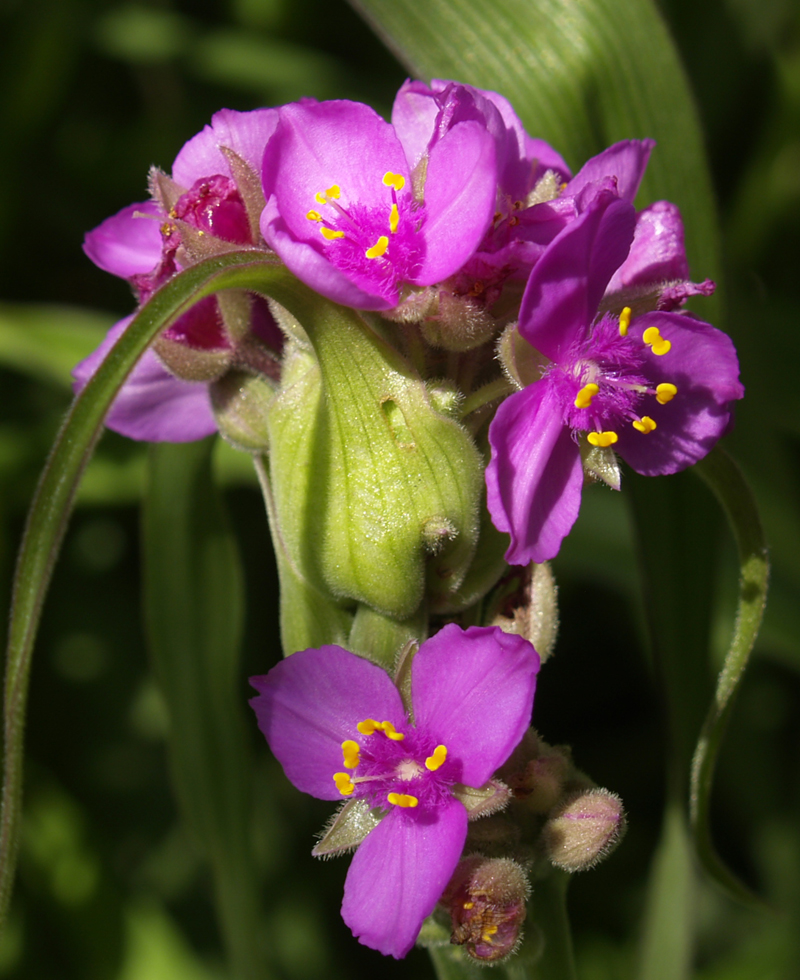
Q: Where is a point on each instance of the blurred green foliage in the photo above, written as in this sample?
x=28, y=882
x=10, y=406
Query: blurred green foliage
x=111, y=885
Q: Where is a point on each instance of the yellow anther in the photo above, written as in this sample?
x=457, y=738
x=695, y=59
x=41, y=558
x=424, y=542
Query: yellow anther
x=433, y=762
x=602, y=439
x=624, y=321
x=378, y=248
x=584, y=397
x=394, y=218
x=402, y=799
x=665, y=392
x=332, y=193
x=645, y=425
x=313, y=215
x=487, y=934
x=391, y=732
x=344, y=783
x=369, y=726
x=654, y=340
x=350, y=750
x=397, y=181
x=330, y=234
x=468, y=905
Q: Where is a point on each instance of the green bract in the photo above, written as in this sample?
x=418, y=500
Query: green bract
x=370, y=482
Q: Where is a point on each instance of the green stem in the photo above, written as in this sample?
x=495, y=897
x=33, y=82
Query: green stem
x=725, y=479
x=490, y=392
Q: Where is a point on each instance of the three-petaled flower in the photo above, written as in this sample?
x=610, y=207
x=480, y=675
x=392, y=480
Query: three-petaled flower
x=657, y=387
x=339, y=728
x=350, y=214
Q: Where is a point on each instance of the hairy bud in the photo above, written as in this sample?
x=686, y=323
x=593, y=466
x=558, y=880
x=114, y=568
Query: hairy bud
x=584, y=829
x=486, y=899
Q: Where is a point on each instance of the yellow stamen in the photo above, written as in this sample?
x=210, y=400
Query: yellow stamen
x=369, y=726
x=602, y=439
x=402, y=799
x=584, y=397
x=645, y=425
x=390, y=732
x=665, y=393
x=330, y=234
x=394, y=218
x=654, y=340
x=350, y=750
x=433, y=762
x=378, y=248
x=468, y=905
x=313, y=215
x=624, y=321
x=344, y=783
x=333, y=192
x=487, y=934
x=397, y=181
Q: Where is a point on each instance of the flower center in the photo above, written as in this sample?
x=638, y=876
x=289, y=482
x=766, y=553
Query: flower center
x=376, y=244
x=603, y=387
x=388, y=766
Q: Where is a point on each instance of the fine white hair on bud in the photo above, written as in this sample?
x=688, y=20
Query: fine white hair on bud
x=583, y=829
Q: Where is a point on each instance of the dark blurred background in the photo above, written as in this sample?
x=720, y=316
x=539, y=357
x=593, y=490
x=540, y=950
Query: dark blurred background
x=110, y=886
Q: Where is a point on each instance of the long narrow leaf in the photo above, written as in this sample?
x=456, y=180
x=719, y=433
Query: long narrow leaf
x=49, y=513
x=725, y=479
x=194, y=604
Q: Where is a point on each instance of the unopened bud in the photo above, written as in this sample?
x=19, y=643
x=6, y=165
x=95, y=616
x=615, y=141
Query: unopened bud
x=584, y=829
x=458, y=324
x=486, y=899
x=526, y=602
x=240, y=402
x=522, y=363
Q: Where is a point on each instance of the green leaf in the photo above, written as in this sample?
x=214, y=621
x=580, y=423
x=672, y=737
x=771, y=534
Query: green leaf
x=52, y=503
x=581, y=75
x=670, y=914
x=195, y=609
x=725, y=479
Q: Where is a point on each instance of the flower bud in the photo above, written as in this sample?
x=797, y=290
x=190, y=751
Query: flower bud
x=486, y=899
x=240, y=402
x=457, y=323
x=584, y=829
x=526, y=603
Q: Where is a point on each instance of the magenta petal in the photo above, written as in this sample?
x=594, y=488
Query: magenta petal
x=473, y=691
x=129, y=242
x=414, y=118
x=399, y=873
x=311, y=702
x=657, y=253
x=625, y=161
x=535, y=476
x=460, y=192
x=568, y=281
x=246, y=133
x=152, y=405
x=702, y=364
x=320, y=144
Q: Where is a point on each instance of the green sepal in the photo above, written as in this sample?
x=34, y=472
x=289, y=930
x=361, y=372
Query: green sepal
x=370, y=482
x=347, y=828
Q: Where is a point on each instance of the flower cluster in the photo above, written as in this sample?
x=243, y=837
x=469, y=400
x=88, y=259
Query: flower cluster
x=532, y=311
